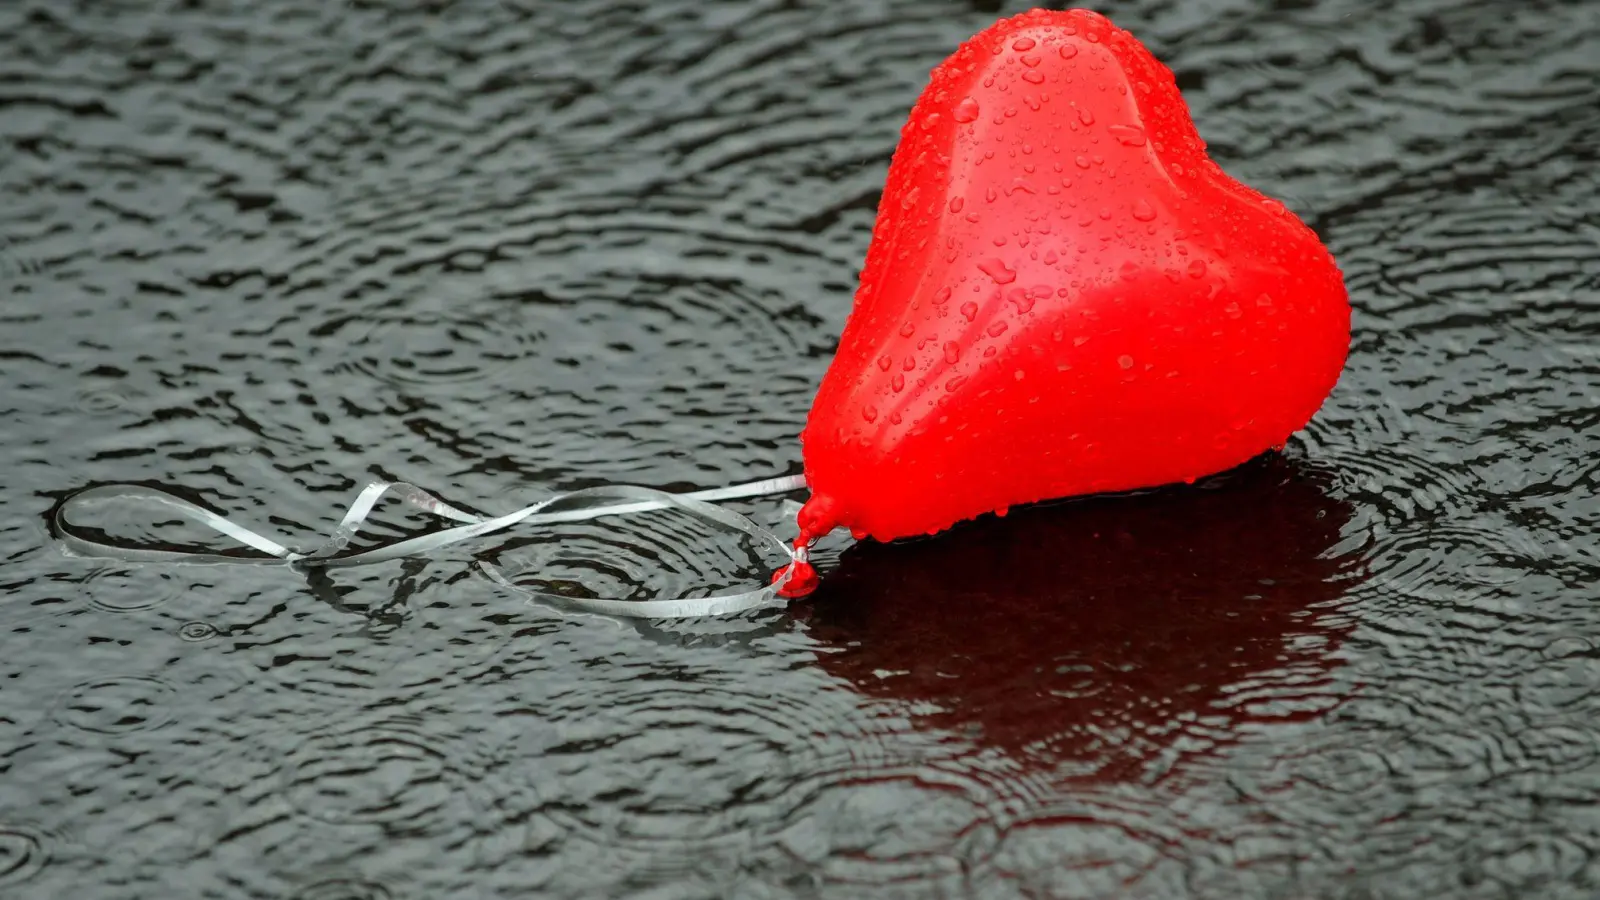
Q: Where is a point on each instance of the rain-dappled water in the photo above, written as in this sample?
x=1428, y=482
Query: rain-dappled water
x=267, y=252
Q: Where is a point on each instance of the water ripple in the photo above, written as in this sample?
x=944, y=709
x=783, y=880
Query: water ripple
x=117, y=705
x=23, y=852
x=681, y=766
x=1565, y=680
x=120, y=590
x=659, y=555
x=1356, y=784
x=394, y=772
x=355, y=637
x=896, y=824
x=343, y=889
x=164, y=807
x=197, y=631
x=433, y=347
x=1086, y=850
x=1445, y=561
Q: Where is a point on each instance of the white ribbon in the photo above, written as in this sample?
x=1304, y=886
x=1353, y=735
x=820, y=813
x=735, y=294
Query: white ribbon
x=576, y=506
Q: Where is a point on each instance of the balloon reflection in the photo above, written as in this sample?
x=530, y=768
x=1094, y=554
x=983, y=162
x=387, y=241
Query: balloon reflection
x=1106, y=637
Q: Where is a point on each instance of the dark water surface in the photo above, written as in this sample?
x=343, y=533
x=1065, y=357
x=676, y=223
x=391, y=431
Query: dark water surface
x=270, y=251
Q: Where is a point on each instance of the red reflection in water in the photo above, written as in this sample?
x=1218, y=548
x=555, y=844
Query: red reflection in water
x=1104, y=636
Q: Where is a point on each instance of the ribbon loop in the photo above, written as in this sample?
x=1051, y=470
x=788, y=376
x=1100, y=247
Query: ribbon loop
x=576, y=506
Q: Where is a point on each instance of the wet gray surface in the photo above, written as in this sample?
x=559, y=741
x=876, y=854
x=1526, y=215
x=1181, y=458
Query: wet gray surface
x=267, y=252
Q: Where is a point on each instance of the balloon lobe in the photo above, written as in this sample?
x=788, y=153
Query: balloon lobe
x=1063, y=295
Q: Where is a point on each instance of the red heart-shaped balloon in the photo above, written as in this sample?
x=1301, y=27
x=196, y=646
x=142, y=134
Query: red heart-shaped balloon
x=1063, y=295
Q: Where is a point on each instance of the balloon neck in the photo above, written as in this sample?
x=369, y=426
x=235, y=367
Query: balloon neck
x=817, y=518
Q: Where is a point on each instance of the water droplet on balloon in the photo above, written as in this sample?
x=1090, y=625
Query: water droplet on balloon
x=1085, y=116
x=952, y=352
x=1131, y=135
x=1125, y=361
x=1197, y=269
x=1031, y=61
x=910, y=199
x=1068, y=51
x=1233, y=310
x=997, y=270
x=965, y=111
x=930, y=122
x=1082, y=161
x=996, y=329
x=1032, y=77
x=956, y=203
x=898, y=382
x=955, y=383
x=991, y=195
x=1023, y=44
x=1022, y=299
x=870, y=414
x=1143, y=211
x=884, y=362
x=969, y=310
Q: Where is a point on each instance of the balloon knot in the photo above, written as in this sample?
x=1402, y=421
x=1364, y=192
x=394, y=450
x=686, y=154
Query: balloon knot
x=802, y=578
